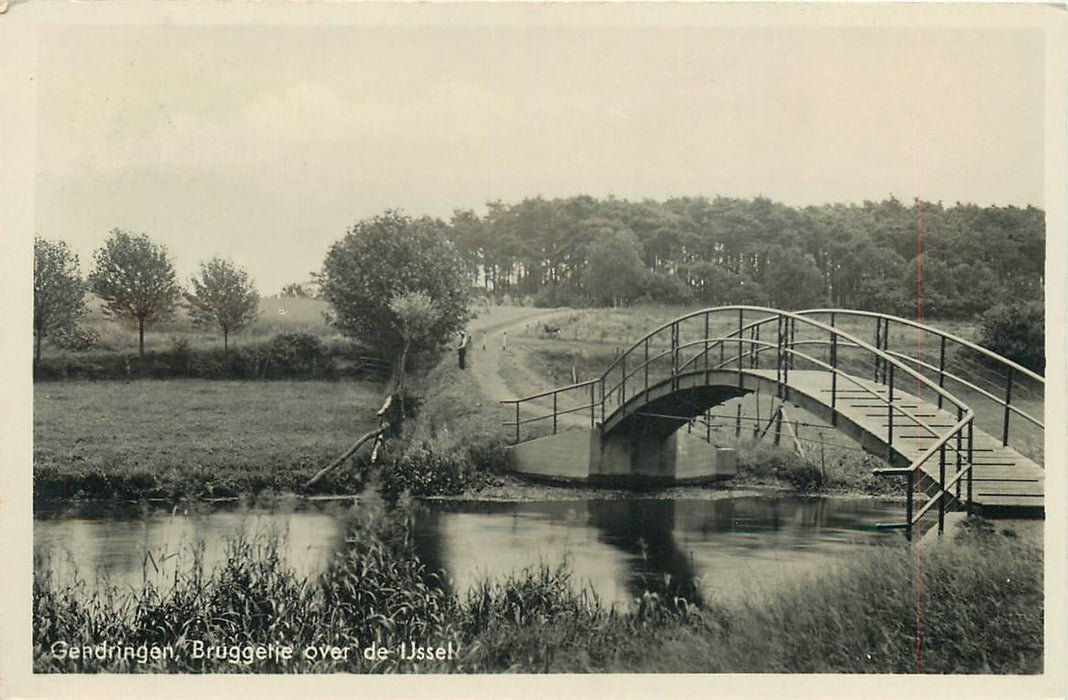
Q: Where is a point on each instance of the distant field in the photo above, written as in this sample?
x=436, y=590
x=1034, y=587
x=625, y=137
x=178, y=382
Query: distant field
x=190, y=437
x=277, y=314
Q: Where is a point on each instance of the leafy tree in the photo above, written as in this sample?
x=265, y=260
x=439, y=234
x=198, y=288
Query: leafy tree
x=386, y=257
x=615, y=266
x=792, y=279
x=223, y=296
x=58, y=291
x=136, y=279
x=415, y=317
x=1017, y=331
x=295, y=290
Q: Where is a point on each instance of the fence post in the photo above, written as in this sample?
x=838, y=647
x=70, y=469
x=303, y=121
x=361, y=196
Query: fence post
x=517, y=422
x=647, y=366
x=741, y=322
x=602, y=400
x=941, y=369
x=754, y=351
x=971, y=466
x=706, y=345
x=623, y=388
x=834, y=374
x=890, y=412
x=793, y=339
x=908, y=507
x=942, y=488
x=674, y=355
x=554, y=412
x=878, y=357
x=778, y=355
x=960, y=446
x=1008, y=400
x=787, y=357
x=593, y=417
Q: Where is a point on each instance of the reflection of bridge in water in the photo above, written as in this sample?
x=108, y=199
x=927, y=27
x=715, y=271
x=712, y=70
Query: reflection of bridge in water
x=622, y=548
x=963, y=424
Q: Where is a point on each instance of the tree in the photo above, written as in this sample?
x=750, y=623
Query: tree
x=615, y=266
x=295, y=290
x=415, y=316
x=136, y=279
x=792, y=279
x=1016, y=330
x=223, y=296
x=386, y=257
x=58, y=291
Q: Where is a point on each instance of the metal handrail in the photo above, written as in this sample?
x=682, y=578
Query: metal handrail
x=846, y=375
x=973, y=387
x=817, y=324
x=908, y=358
x=931, y=329
x=550, y=392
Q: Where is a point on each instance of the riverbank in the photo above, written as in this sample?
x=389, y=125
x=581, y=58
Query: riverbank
x=981, y=603
x=193, y=439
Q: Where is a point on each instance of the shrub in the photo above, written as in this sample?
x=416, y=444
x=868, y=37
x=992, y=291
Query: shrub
x=295, y=351
x=1017, y=331
x=76, y=338
x=554, y=295
x=665, y=288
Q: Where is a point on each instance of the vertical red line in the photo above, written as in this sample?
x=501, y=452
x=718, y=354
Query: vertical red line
x=919, y=347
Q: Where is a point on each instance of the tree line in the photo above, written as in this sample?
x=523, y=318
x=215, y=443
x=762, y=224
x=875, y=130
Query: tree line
x=401, y=285
x=587, y=251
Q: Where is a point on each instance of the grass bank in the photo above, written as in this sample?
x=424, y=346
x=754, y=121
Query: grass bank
x=192, y=438
x=981, y=603
x=453, y=444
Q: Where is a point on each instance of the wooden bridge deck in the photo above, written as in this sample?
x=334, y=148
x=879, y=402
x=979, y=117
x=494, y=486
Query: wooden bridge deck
x=1002, y=477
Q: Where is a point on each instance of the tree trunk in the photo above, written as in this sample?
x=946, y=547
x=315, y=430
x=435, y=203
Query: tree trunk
x=400, y=374
x=37, y=348
x=141, y=336
x=226, y=342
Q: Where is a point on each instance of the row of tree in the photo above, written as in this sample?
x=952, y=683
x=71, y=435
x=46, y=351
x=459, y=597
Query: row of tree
x=726, y=250
x=135, y=279
x=401, y=285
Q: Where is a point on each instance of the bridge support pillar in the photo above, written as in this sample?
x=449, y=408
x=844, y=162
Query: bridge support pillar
x=677, y=458
x=582, y=456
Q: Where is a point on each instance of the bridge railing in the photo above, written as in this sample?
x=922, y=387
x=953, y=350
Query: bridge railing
x=786, y=342
x=1007, y=398
x=553, y=410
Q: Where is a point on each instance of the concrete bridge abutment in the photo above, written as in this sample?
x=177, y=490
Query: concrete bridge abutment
x=584, y=456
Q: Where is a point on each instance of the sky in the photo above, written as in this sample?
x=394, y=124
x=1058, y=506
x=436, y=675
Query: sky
x=264, y=144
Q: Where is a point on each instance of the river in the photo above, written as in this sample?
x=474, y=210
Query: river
x=724, y=548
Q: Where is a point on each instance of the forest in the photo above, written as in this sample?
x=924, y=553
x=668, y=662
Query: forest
x=584, y=251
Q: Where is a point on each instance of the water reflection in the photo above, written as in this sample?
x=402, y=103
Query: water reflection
x=645, y=531
x=619, y=548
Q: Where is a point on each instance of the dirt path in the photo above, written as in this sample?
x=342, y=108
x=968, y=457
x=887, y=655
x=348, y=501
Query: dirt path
x=489, y=343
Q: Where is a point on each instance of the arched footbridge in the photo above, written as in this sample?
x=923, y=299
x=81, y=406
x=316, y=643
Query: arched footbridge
x=962, y=424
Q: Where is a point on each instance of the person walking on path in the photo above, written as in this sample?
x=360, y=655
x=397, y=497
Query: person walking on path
x=504, y=340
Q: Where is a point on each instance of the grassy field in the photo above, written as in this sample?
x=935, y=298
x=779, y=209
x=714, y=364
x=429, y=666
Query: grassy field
x=981, y=605
x=193, y=438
